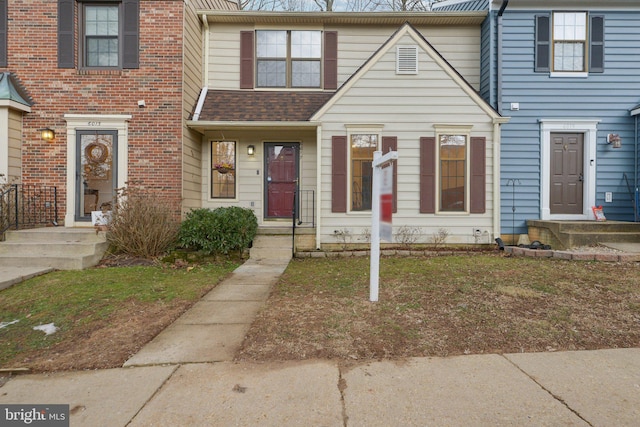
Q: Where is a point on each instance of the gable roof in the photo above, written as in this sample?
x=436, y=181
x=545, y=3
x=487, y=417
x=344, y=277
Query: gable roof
x=261, y=106
x=408, y=29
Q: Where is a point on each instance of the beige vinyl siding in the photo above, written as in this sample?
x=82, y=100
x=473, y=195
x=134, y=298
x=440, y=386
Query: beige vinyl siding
x=407, y=106
x=193, y=82
x=460, y=46
x=224, y=57
x=250, y=169
x=15, y=146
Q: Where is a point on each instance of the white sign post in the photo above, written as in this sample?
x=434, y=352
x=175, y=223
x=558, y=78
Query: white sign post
x=381, y=206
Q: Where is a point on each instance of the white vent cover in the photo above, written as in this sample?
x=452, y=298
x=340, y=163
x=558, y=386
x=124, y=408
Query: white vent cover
x=407, y=60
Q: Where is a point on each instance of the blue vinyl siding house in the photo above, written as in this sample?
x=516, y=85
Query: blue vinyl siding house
x=567, y=73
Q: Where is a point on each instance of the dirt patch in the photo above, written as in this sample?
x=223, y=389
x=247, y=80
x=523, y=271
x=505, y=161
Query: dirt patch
x=110, y=343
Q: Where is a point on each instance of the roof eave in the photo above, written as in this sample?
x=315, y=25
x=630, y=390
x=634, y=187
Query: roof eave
x=336, y=18
x=203, y=126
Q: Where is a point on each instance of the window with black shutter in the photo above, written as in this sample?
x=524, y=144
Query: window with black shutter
x=108, y=34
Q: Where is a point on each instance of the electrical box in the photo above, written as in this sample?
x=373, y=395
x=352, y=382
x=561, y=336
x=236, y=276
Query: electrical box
x=608, y=197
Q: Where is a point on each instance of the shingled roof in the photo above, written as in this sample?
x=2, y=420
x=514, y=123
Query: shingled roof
x=264, y=106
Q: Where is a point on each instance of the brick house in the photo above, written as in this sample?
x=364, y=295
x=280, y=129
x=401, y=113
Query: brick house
x=114, y=81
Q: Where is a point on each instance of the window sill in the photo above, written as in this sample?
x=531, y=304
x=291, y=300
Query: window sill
x=580, y=75
x=102, y=72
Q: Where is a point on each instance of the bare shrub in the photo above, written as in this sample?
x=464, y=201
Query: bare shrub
x=142, y=223
x=439, y=238
x=407, y=236
x=344, y=237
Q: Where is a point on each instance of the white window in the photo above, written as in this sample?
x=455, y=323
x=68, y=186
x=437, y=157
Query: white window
x=569, y=41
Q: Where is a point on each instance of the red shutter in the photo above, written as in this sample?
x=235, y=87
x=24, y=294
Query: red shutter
x=339, y=174
x=427, y=175
x=331, y=60
x=390, y=143
x=246, y=59
x=478, y=175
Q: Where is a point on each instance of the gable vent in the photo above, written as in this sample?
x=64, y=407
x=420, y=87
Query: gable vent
x=407, y=60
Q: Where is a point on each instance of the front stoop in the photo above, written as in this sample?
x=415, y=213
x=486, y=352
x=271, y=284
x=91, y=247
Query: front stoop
x=55, y=247
x=271, y=248
x=573, y=234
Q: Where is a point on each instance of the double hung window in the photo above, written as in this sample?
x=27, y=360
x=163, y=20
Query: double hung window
x=288, y=59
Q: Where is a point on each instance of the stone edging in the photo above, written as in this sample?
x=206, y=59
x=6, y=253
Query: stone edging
x=574, y=256
x=513, y=250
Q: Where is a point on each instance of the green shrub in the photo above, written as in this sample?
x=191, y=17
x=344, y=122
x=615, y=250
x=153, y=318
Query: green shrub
x=142, y=223
x=218, y=231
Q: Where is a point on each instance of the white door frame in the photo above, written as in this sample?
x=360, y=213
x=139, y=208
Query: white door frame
x=92, y=122
x=589, y=128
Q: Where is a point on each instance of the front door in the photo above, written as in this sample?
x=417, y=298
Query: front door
x=281, y=178
x=567, y=173
x=96, y=174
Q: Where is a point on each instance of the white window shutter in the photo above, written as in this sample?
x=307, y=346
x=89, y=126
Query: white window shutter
x=407, y=60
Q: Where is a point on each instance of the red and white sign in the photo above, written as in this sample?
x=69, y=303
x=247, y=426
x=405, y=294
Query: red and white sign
x=386, y=204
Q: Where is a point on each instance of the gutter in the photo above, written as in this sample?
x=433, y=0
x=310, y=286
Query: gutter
x=499, y=56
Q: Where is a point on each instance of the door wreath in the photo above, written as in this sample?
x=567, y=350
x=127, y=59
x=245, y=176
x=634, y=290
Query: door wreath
x=96, y=152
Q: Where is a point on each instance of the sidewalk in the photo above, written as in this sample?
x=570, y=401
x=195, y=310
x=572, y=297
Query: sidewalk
x=186, y=377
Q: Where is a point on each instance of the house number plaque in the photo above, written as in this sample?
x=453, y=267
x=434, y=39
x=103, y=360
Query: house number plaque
x=94, y=123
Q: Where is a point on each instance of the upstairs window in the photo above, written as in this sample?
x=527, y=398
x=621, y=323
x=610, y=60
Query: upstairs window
x=107, y=34
x=569, y=43
x=288, y=59
x=101, y=31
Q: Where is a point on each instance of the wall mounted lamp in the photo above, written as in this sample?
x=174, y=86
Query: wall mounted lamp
x=47, y=134
x=615, y=140
x=251, y=150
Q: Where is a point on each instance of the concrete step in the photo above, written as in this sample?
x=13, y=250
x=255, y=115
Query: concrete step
x=575, y=239
x=60, y=248
x=36, y=249
x=271, y=247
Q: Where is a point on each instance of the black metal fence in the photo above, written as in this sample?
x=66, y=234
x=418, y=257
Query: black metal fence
x=27, y=206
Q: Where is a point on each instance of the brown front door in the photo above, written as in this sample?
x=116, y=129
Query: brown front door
x=281, y=166
x=567, y=173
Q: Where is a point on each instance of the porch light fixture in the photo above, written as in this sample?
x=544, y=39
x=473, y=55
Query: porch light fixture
x=47, y=134
x=251, y=150
x=615, y=140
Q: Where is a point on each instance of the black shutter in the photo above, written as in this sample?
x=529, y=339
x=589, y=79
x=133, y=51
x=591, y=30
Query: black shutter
x=596, y=44
x=131, y=34
x=66, y=39
x=543, y=43
x=3, y=33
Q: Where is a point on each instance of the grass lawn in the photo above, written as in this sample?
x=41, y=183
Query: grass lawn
x=446, y=305
x=103, y=315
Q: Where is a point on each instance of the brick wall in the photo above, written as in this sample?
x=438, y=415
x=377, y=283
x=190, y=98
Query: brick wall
x=155, y=132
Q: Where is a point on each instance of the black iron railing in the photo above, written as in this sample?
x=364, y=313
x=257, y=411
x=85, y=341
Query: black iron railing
x=27, y=206
x=634, y=195
x=303, y=213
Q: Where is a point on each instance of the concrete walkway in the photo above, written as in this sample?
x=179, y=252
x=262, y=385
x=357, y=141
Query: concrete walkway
x=186, y=377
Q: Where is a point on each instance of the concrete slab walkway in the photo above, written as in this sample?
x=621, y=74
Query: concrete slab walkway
x=214, y=328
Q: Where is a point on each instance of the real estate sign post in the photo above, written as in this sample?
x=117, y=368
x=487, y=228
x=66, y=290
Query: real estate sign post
x=381, y=213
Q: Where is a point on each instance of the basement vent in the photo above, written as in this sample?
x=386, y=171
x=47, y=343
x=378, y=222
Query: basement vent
x=407, y=60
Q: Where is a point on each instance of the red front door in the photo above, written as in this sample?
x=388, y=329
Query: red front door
x=281, y=166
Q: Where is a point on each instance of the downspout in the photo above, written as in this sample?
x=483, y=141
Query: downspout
x=497, y=231
x=499, y=56
x=635, y=172
x=205, y=71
